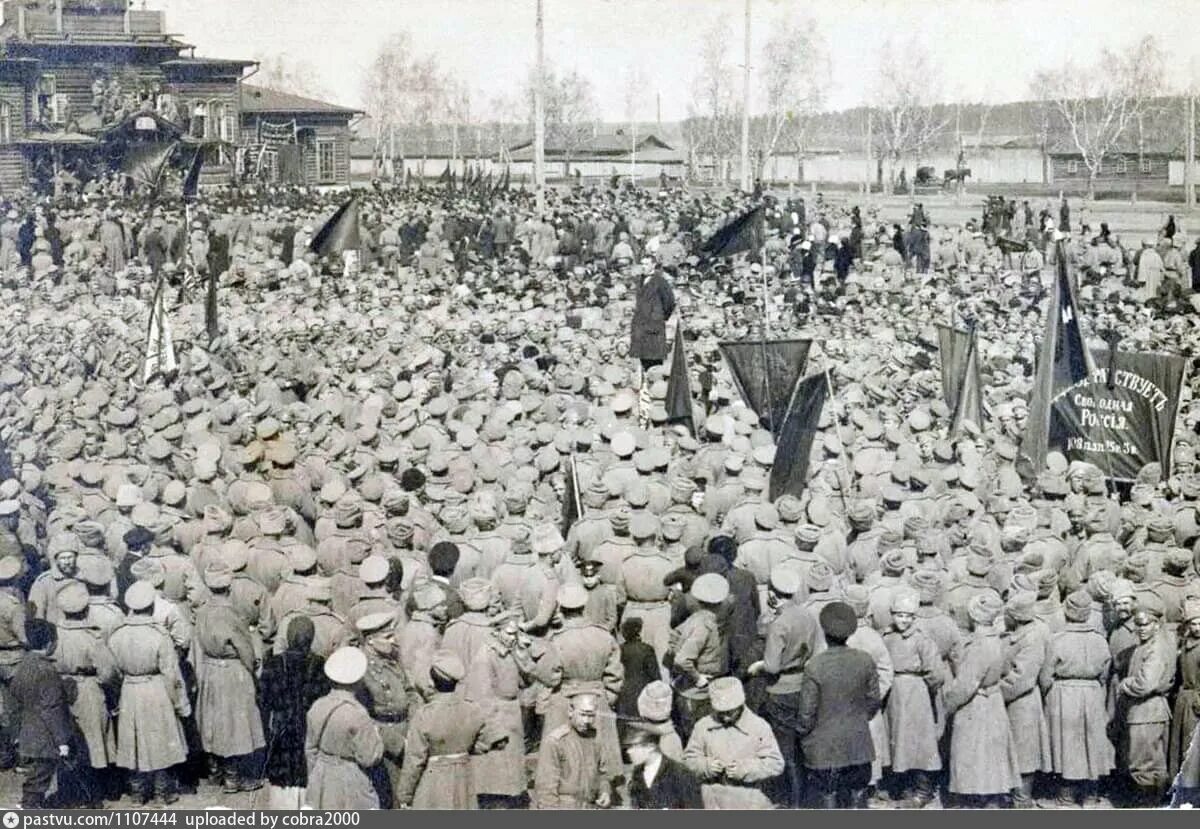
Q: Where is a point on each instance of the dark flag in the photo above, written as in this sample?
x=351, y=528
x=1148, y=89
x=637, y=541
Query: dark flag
x=1062, y=362
x=489, y=186
x=144, y=163
x=789, y=473
x=679, y=387
x=338, y=234
x=507, y=178
x=1124, y=416
x=572, y=509
x=744, y=233
x=765, y=373
x=953, y=345
x=969, y=392
x=191, y=182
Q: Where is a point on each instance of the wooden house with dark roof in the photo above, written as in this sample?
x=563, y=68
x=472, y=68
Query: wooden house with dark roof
x=83, y=81
x=292, y=139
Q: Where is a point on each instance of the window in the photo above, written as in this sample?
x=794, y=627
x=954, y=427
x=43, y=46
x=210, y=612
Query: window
x=1072, y=167
x=326, y=173
x=46, y=89
x=1147, y=166
x=1122, y=166
x=216, y=121
x=199, y=122
x=5, y=123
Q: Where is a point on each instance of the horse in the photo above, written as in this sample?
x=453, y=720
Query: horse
x=951, y=176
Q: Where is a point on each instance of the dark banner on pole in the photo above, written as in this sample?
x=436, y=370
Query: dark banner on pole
x=765, y=373
x=953, y=345
x=789, y=473
x=1122, y=425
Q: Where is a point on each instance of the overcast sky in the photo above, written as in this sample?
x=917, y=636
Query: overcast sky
x=986, y=49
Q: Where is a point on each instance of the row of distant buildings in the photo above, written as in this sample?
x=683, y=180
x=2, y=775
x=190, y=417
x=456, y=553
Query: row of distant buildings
x=86, y=84
x=1002, y=160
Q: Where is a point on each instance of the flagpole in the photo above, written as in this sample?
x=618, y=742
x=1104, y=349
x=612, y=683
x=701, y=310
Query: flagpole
x=841, y=449
x=766, y=333
x=155, y=308
x=188, y=265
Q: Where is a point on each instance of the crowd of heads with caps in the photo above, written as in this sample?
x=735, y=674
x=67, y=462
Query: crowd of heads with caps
x=464, y=389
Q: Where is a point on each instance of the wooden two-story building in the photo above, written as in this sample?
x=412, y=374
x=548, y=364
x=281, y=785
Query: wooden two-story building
x=83, y=83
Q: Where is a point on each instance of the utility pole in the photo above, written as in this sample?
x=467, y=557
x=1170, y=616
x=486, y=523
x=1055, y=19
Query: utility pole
x=539, y=114
x=869, y=152
x=746, y=108
x=1189, y=175
x=633, y=152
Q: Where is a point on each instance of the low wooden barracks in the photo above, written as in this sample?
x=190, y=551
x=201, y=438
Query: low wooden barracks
x=84, y=82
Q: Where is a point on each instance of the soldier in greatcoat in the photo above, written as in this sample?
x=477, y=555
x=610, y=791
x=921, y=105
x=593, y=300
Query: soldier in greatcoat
x=153, y=702
x=442, y=738
x=344, y=744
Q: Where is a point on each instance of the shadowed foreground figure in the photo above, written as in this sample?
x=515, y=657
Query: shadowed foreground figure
x=42, y=700
x=657, y=781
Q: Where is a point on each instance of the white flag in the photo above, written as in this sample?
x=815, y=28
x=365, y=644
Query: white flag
x=160, y=349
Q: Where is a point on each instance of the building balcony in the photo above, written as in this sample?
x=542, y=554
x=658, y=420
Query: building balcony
x=59, y=22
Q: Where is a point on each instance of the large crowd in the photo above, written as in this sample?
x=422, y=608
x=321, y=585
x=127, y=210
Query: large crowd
x=325, y=551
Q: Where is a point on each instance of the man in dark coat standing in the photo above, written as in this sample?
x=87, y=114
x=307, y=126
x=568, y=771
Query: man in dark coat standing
x=42, y=699
x=838, y=697
x=655, y=304
x=1194, y=264
x=657, y=781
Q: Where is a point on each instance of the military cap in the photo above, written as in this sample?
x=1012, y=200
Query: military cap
x=983, y=608
x=1151, y=603
x=710, y=588
x=642, y=526
x=1020, y=606
x=905, y=601
x=546, y=539
x=148, y=569
x=95, y=570
x=785, y=581
x=374, y=569
x=140, y=595
x=572, y=596
x=655, y=701
x=428, y=596
x=820, y=577
x=218, y=575
x=346, y=665
x=476, y=594
x=1077, y=607
x=726, y=693
x=10, y=568
x=374, y=621
x=72, y=597
x=447, y=665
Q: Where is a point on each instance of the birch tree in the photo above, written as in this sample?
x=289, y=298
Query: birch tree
x=792, y=78
x=1096, y=106
x=907, y=122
